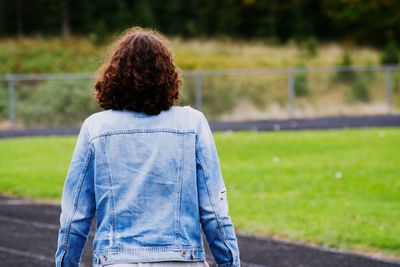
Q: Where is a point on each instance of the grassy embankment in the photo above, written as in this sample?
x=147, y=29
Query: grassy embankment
x=54, y=55
x=245, y=97
x=334, y=188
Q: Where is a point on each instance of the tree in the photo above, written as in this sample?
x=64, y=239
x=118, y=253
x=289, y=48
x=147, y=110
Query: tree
x=361, y=20
x=18, y=16
x=65, y=24
x=390, y=54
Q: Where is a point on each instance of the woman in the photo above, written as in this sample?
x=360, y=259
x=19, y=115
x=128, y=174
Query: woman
x=146, y=168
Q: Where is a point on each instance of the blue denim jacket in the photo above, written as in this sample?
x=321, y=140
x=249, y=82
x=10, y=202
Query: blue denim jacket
x=153, y=182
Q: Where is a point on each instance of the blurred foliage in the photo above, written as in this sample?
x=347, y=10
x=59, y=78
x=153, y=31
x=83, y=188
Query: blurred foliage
x=54, y=103
x=301, y=87
x=390, y=54
x=77, y=54
x=396, y=89
x=368, y=21
x=311, y=46
x=42, y=55
x=360, y=91
x=220, y=94
x=357, y=21
x=3, y=101
x=63, y=103
x=347, y=76
x=396, y=81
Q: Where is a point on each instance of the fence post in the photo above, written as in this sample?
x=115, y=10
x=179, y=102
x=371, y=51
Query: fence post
x=11, y=102
x=388, y=78
x=198, y=91
x=291, y=93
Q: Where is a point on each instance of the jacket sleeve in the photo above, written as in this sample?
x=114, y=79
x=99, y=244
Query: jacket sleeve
x=77, y=204
x=213, y=206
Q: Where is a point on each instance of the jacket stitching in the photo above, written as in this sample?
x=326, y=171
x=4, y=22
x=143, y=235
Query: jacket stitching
x=112, y=202
x=179, y=187
x=128, y=131
x=181, y=176
x=151, y=249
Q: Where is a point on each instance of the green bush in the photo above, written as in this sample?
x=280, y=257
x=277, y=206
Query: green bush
x=3, y=101
x=301, y=87
x=311, y=46
x=390, y=54
x=360, y=91
x=396, y=88
x=54, y=103
x=396, y=82
x=347, y=76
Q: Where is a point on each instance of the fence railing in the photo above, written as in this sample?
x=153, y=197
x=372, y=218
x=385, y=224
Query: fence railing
x=200, y=75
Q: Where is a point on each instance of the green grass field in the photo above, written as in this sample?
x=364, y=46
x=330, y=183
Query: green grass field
x=336, y=188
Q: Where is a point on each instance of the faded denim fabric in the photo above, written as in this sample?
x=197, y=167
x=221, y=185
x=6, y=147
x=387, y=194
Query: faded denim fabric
x=153, y=182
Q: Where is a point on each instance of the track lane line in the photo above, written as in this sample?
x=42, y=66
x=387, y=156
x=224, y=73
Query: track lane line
x=29, y=223
x=26, y=254
x=33, y=223
x=30, y=255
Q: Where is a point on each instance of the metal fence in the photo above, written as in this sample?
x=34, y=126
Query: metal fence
x=198, y=82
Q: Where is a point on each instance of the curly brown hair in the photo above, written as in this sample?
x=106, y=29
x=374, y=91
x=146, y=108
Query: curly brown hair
x=139, y=74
